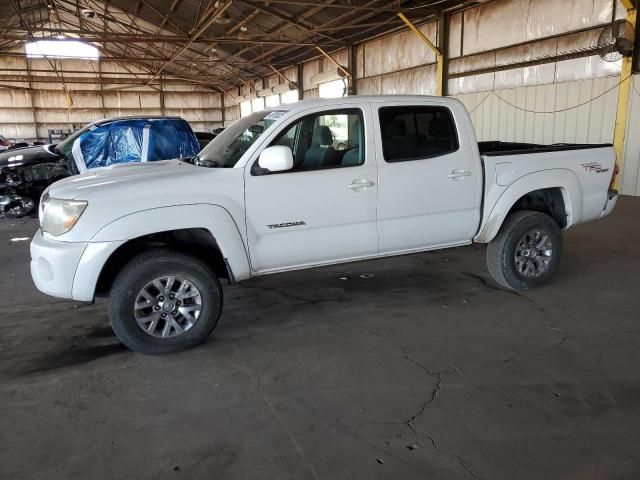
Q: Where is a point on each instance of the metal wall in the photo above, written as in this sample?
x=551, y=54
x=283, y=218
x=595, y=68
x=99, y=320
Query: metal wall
x=32, y=105
x=248, y=91
x=508, y=115
x=631, y=168
x=398, y=64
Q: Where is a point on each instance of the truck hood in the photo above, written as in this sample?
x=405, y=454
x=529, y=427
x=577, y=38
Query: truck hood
x=24, y=157
x=134, y=175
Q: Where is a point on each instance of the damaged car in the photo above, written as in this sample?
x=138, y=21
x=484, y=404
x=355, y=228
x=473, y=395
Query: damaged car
x=26, y=172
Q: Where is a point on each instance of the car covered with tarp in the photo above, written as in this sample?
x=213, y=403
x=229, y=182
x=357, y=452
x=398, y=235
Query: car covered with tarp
x=26, y=172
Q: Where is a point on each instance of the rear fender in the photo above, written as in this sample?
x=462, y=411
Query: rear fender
x=564, y=179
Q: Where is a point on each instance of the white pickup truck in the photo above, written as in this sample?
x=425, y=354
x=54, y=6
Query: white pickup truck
x=304, y=185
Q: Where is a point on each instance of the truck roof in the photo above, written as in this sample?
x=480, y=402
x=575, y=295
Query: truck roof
x=356, y=99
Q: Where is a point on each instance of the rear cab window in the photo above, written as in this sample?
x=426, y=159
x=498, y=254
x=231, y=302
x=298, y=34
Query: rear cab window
x=417, y=132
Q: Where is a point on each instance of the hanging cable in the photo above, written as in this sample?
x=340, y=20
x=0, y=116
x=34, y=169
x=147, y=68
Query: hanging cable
x=480, y=103
x=415, y=71
x=562, y=109
x=633, y=82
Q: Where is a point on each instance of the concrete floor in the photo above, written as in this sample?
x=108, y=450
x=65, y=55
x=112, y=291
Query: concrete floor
x=424, y=370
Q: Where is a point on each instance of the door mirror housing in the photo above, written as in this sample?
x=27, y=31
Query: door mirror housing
x=277, y=158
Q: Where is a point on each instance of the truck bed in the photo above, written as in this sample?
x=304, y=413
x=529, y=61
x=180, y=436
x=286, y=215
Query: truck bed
x=497, y=148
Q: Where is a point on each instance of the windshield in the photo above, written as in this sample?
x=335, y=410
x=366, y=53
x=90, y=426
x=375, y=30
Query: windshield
x=64, y=147
x=227, y=148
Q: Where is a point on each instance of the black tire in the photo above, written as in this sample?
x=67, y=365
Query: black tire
x=142, y=270
x=501, y=251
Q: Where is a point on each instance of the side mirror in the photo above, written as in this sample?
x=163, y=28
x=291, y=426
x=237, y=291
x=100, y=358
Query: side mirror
x=276, y=159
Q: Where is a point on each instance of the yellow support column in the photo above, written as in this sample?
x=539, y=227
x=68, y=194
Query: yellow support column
x=427, y=42
x=624, y=91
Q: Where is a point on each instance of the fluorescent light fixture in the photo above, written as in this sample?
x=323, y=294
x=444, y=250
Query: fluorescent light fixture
x=62, y=49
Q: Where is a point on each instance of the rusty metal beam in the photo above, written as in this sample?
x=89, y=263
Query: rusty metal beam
x=439, y=56
x=299, y=23
x=123, y=38
x=117, y=59
x=334, y=61
x=220, y=9
x=93, y=80
x=340, y=18
x=281, y=75
x=341, y=6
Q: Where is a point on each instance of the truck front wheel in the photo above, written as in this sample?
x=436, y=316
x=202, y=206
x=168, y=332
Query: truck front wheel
x=164, y=301
x=526, y=252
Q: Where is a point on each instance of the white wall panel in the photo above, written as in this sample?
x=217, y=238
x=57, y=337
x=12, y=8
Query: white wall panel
x=485, y=27
x=631, y=167
x=231, y=114
x=111, y=113
x=397, y=52
x=563, y=71
x=591, y=122
x=500, y=115
x=28, y=115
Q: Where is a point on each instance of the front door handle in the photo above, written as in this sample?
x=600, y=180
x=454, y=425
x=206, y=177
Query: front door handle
x=361, y=184
x=458, y=174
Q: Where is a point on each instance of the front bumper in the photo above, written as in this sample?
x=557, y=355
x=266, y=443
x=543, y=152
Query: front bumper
x=612, y=199
x=68, y=269
x=54, y=264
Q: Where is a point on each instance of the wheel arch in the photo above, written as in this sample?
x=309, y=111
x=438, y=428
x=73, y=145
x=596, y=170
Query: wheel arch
x=554, y=192
x=205, y=231
x=195, y=242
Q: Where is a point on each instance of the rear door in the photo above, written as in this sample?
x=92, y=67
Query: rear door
x=429, y=177
x=323, y=210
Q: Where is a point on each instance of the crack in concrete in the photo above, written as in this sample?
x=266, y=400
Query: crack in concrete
x=544, y=310
x=362, y=424
x=267, y=401
x=460, y=459
x=290, y=296
x=438, y=375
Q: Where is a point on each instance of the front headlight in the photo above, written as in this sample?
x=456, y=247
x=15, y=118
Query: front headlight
x=44, y=199
x=59, y=216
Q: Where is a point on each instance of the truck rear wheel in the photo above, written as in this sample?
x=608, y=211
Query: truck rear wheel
x=164, y=301
x=526, y=252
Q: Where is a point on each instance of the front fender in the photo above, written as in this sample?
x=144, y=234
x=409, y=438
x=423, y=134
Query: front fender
x=564, y=179
x=216, y=219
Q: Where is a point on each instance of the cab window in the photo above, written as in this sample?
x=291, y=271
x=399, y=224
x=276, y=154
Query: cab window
x=331, y=139
x=415, y=133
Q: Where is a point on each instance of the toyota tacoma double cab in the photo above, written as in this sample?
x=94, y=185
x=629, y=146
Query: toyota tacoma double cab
x=304, y=185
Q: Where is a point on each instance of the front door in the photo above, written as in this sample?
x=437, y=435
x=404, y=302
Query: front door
x=323, y=210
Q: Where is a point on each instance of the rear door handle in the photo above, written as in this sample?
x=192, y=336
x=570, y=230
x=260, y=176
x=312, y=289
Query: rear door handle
x=458, y=174
x=361, y=184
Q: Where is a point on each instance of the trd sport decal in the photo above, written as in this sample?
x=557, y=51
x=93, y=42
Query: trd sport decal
x=286, y=224
x=594, y=167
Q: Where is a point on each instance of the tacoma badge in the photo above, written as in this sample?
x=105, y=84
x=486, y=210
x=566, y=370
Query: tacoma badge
x=286, y=224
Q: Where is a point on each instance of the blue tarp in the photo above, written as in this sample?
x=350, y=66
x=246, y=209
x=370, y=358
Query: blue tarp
x=126, y=141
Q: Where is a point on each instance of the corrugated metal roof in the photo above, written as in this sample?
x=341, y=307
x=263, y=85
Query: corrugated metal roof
x=177, y=36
